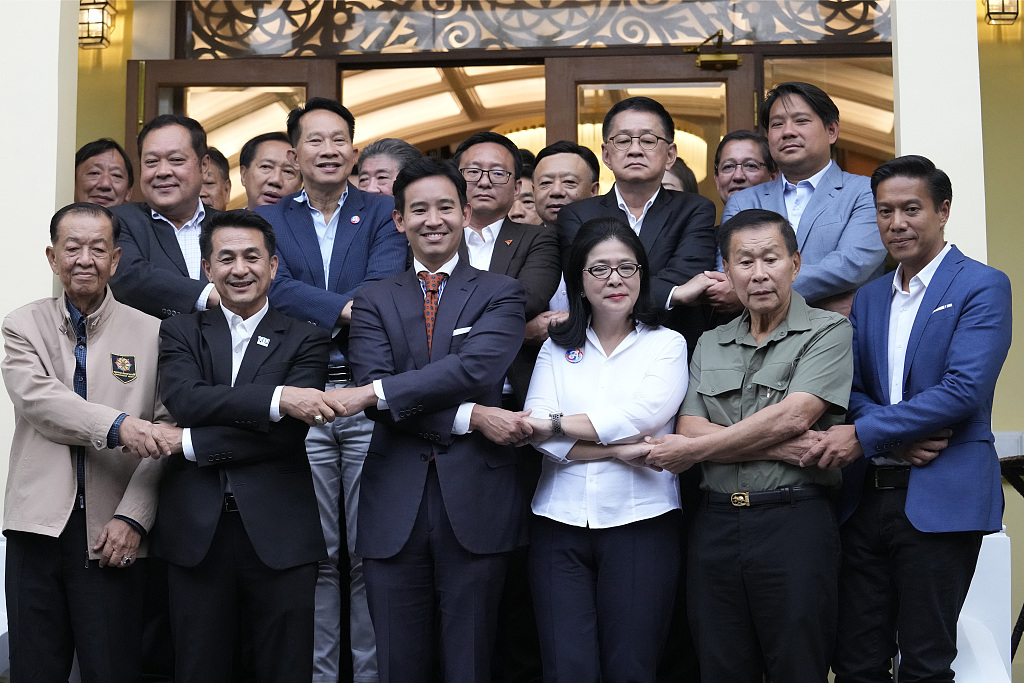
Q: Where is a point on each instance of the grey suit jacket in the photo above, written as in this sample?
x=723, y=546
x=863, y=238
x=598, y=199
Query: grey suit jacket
x=837, y=237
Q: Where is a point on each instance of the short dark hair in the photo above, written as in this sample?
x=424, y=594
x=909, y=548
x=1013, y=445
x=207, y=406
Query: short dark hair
x=496, y=138
x=753, y=136
x=313, y=104
x=569, y=147
x=248, y=153
x=218, y=159
x=97, y=147
x=87, y=208
x=645, y=104
x=425, y=167
x=572, y=333
x=755, y=218
x=686, y=177
x=940, y=188
x=196, y=134
x=236, y=218
x=392, y=148
x=816, y=98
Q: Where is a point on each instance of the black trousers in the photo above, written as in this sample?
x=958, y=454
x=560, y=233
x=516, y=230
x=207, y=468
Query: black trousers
x=604, y=597
x=433, y=581
x=232, y=591
x=762, y=591
x=899, y=583
x=59, y=602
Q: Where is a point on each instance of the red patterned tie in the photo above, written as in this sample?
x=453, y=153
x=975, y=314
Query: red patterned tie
x=432, y=283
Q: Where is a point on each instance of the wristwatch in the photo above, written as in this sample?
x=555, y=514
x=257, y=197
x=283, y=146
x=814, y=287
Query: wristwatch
x=556, y=424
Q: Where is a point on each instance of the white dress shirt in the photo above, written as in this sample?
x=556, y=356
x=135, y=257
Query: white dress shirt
x=241, y=332
x=632, y=393
x=188, y=241
x=480, y=245
x=636, y=223
x=902, y=313
x=461, y=424
x=326, y=229
x=798, y=195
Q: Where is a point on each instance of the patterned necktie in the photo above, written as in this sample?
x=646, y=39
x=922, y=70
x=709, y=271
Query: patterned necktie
x=432, y=283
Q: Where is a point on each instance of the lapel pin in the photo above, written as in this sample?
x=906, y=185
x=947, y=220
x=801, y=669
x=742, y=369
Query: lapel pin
x=354, y=219
x=263, y=341
x=508, y=242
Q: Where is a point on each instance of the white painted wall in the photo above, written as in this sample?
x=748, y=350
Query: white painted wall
x=938, y=105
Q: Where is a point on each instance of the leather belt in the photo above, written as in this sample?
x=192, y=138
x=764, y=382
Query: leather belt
x=339, y=373
x=230, y=504
x=749, y=499
x=887, y=477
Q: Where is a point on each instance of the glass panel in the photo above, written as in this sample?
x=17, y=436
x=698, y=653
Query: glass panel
x=862, y=89
x=698, y=110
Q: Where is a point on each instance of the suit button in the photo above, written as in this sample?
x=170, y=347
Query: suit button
x=424, y=457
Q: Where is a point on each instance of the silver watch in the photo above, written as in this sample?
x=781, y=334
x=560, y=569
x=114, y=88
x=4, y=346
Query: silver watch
x=556, y=424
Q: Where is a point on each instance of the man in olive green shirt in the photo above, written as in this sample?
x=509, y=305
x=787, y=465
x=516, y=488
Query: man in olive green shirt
x=764, y=547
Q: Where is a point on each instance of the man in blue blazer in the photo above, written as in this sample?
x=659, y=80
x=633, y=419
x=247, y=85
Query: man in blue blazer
x=440, y=507
x=921, y=476
x=332, y=239
x=832, y=211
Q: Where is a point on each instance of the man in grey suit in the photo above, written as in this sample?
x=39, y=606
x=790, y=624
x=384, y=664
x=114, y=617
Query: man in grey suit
x=832, y=211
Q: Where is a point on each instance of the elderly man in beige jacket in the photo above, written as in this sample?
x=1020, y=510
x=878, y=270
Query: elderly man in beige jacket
x=81, y=370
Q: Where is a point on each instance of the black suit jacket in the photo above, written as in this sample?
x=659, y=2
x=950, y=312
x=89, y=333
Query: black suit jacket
x=152, y=275
x=479, y=327
x=234, y=440
x=530, y=254
x=678, y=233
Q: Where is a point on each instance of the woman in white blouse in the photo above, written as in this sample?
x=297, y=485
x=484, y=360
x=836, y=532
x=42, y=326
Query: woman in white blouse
x=605, y=552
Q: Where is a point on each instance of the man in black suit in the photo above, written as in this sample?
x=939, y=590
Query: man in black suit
x=677, y=228
x=440, y=508
x=238, y=521
x=160, y=271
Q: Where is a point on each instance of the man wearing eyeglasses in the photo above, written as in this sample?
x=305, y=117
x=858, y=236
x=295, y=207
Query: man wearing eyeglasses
x=676, y=228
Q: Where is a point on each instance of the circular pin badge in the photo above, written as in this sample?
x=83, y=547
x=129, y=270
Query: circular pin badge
x=354, y=219
x=574, y=355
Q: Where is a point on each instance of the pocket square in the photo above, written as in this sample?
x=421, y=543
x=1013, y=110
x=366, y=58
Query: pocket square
x=942, y=307
x=461, y=330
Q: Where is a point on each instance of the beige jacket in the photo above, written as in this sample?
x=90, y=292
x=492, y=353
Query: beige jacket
x=50, y=417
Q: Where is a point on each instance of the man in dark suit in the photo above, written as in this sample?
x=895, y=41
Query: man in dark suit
x=160, y=271
x=441, y=506
x=333, y=239
x=921, y=479
x=237, y=521
x=677, y=228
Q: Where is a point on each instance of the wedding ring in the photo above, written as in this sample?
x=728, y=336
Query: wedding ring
x=319, y=419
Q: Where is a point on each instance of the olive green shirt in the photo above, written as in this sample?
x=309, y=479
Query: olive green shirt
x=732, y=377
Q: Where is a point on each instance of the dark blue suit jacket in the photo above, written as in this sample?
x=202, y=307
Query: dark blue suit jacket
x=479, y=327
x=957, y=346
x=235, y=441
x=367, y=247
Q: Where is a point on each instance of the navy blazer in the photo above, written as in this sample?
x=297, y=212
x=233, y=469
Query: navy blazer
x=234, y=440
x=367, y=247
x=479, y=327
x=838, y=238
x=957, y=346
x=678, y=233
x=152, y=275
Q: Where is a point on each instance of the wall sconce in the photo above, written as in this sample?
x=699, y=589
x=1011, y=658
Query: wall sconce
x=95, y=21
x=1001, y=11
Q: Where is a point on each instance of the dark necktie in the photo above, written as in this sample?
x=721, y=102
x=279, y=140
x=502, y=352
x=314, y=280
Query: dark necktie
x=432, y=285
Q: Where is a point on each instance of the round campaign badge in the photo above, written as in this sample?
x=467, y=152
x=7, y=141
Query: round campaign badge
x=354, y=219
x=574, y=355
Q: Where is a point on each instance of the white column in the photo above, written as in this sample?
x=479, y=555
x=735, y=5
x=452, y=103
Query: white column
x=938, y=104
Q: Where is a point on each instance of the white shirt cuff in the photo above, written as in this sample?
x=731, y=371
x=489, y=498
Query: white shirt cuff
x=203, y=297
x=378, y=388
x=668, y=302
x=186, y=444
x=610, y=424
x=462, y=416
x=275, y=405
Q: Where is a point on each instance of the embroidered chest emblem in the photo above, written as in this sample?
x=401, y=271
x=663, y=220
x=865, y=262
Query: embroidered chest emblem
x=123, y=368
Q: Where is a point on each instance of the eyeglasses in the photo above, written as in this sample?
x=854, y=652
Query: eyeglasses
x=728, y=168
x=648, y=141
x=495, y=176
x=603, y=272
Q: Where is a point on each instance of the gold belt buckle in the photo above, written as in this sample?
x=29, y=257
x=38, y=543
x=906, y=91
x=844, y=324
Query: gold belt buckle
x=740, y=499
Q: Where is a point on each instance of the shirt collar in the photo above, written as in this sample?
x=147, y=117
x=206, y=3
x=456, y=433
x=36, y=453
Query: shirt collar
x=447, y=268
x=77, y=319
x=303, y=198
x=622, y=202
x=926, y=274
x=248, y=324
x=197, y=217
x=488, y=233
x=812, y=181
x=797, y=319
